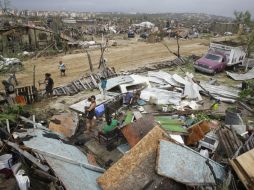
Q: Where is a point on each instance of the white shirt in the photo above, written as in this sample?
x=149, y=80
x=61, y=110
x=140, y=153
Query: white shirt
x=62, y=66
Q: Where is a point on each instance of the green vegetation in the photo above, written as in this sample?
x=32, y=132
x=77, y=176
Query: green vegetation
x=246, y=30
x=11, y=112
x=200, y=117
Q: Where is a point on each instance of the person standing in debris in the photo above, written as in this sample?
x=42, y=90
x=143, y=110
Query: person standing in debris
x=90, y=121
x=103, y=87
x=49, y=83
x=62, y=68
x=129, y=99
x=9, y=91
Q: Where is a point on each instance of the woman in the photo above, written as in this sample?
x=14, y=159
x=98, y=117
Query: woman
x=90, y=121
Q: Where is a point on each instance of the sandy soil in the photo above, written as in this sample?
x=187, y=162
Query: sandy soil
x=129, y=54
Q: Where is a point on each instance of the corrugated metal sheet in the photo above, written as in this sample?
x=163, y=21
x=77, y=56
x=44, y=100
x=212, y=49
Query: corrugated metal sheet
x=113, y=82
x=163, y=76
x=184, y=165
x=221, y=90
x=247, y=76
x=73, y=177
x=162, y=96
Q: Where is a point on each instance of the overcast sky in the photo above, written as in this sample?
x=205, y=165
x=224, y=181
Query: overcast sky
x=218, y=7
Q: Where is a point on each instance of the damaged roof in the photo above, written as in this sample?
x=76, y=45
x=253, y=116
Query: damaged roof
x=67, y=161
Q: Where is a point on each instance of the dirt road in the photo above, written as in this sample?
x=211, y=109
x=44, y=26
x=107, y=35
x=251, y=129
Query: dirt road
x=128, y=55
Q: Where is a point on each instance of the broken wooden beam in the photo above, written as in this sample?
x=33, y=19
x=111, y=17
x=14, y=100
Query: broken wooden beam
x=68, y=160
x=28, y=156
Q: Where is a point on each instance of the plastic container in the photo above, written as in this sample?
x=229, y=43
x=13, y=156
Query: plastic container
x=99, y=110
x=23, y=180
x=233, y=117
x=5, y=161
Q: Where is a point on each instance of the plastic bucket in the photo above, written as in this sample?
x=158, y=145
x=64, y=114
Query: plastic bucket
x=5, y=161
x=99, y=110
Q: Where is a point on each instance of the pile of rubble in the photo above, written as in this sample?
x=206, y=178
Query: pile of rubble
x=9, y=64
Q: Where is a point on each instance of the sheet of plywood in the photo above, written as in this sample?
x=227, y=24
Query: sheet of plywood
x=243, y=166
x=136, y=169
x=67, y=125
x=247, y=162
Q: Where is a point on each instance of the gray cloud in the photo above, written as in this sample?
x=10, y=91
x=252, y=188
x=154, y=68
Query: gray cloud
x=219, y=7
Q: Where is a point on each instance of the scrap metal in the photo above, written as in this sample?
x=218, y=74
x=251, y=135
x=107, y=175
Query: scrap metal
x=186, y=165
x=242, y=77
x=69, y=164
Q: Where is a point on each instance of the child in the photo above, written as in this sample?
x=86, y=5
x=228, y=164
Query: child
x=62, y=68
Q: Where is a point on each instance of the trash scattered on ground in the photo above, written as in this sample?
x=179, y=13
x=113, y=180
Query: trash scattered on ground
x=10, y=64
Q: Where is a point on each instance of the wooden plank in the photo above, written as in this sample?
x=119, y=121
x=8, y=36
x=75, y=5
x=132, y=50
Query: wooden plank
x=243, y=166
x=239, y=171
x=225, y=144
x=75, y=85
x=82, y=84
x=247, y=162
x=28, y=156
x=93, y=81
x=88, y=84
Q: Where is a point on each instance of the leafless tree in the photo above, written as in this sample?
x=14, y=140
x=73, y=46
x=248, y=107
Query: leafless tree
x=5, y=6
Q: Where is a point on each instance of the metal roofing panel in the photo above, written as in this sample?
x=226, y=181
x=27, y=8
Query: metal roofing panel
x=247, y=76
x=184, y=165
x=113, y=82
x=74, y=177
x=221, y=90
x=162, y=96
x=164, y=76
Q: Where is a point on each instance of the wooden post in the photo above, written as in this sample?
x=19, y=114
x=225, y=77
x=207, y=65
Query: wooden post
x=8, y=126
x=35, y=39
x=34, y=121
x=34, y=76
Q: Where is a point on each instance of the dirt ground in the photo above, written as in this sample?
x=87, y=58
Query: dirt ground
x=129, y=54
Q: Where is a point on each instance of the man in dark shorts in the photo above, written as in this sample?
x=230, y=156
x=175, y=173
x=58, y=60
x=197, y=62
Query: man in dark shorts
x=90, y=114
x=49, y=83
